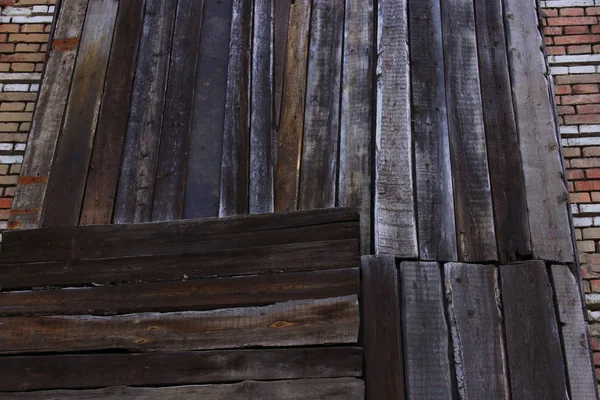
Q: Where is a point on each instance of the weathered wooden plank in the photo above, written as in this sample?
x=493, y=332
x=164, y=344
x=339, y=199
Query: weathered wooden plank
x=105, y=165
x=206, y=294
x=287, y=173
x=476, y=326
x=299, y=389
x=294, y=323
x=236, y=131
x=203, y=181
x=381, y=328
x=580, y=370
x=169, y=187
x=424, y=332
x=395, y=224
x=100, y=370
x=47, y=120
x=140, y=157
x=354, y=184
x=433, y=171
x=532, y=336
x=281, y=23
x=473, y=200
x=545, y=190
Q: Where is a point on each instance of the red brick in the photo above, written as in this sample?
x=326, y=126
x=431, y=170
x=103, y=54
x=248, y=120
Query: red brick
x=554, y=30
x=577, y=78
x=572, y=21
x=571, y=12
x=596, y=289
x=579, y=198
x=582, y=119
x=576, y=30
x=577, y=39
x=592, y=173
x=596, y=29
x=6, y=203
x=555, y=50
x=588, y=109
x=550, y=12
x=592, y=11
x=566, y=110
x=592, y=151
x=570, y=152
x=562, y=89
x=586, y=186
x=579, y=49
x=573, y=174
x=581, y=99
x=585, y=88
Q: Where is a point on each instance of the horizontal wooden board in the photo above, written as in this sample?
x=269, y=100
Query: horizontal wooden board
x=81, y=371
x=294, y=323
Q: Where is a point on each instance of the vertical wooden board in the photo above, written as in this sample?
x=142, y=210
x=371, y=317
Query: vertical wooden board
x=354, y=186
x=203, y=180
x=384, y=376
x=261, y=117
x=433, y=171
x=175, y=133
x=580, y=370
x=281, y=19
x=395, y=224
x=425, y=337
x=236, y=134
x=476, y=325
x=138, y=168
x=287, y=172
x=103, y=174
x=545, y=190
x=47, y=120
x=532, y=336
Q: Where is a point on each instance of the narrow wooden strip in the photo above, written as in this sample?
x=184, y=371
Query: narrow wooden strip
x=532, y=336
x=433, y=171
x=354, y=186
x=473, y=199
x=105, y=165
x=476, y=324
x=140, y=157
x=381, y=329
x=281, y=24
x=395, y=224
x=425, y=337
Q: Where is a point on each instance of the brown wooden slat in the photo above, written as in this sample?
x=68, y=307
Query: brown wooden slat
x=281, y=23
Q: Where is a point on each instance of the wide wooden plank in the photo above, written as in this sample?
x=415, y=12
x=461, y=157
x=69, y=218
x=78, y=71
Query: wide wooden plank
x=105, y=165
x=473, y=200
x=433, y=171
x=281, y=24
x=287, y=173
x=476, y=325
x=169, y=187
x=48, y=116
x=546, y=193
x=381, y=328
x=580, y=369
x=100, y=370
x=395, y=221
x=140, y=157
x=300, y=389
x=354, y=183
x=203, y=181
x=532, y=336
x=425, y=337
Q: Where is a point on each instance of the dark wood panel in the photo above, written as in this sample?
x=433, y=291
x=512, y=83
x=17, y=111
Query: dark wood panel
x=154, y=369
x=281, y=23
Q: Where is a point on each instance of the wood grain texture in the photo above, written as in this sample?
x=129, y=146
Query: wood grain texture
x=395, y=220
x=473, y=199
x=474, y=311
x=356, y=125
x=425, y=337
x=546, y=193
x=532, y=336
x=105, y=165
x=281, y=24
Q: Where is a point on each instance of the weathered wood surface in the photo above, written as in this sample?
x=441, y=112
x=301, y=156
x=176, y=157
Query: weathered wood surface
x=47, y=120
x=545, y=189
x=105, y=165
x=169, y=187
x=287, y=173
x=425, y=337
x=506, y=170
x=381, y=328
x=206, y=294
x=293, y=323
x=100, y=370
x=395, y=220
x=580, y=370
x=203, y=181
x=473, y=201
x=140, y=156
x=433, y=171
x=320, y=139
x=281, y=23
x=476, y=326
x=236, y=130
x=532, y=335
x=356, y=125
x=299, y=389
